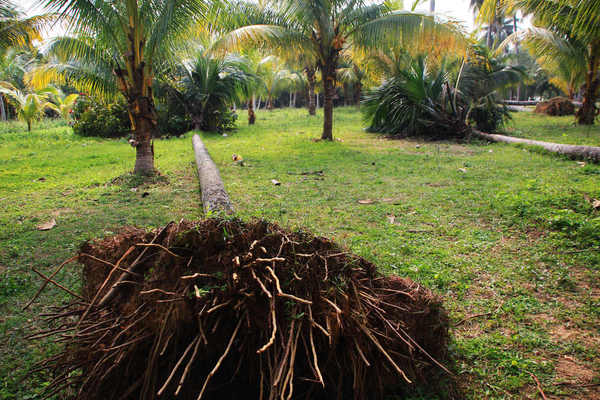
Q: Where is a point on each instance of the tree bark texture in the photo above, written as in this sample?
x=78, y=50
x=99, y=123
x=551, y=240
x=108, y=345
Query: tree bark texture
x=310, y=77
x=591, y=153
x=214, y=196
x=588, y=111
x=251, y=114
x=329, y=76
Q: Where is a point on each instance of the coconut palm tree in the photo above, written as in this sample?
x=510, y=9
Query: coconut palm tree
x=577, y=23
x=30, y=107
x=275, y=77
x=117, y=46
x=326, y=29
x=562, y=56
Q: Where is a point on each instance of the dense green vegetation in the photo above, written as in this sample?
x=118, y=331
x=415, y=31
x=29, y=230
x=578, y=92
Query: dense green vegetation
x=492, y=228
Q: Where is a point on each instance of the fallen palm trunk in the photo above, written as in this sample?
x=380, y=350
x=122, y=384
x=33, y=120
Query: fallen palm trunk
x=222, y=309
x=214, y=196
x=591, y=153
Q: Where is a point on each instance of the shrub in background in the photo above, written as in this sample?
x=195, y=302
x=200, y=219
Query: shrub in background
x=92, y=118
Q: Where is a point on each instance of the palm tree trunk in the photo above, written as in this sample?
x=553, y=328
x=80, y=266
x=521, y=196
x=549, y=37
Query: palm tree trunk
x=144, y=117
x=587, y=113
x=251, y=114
x=328, y=94
x=310, y=77
x=2, y=108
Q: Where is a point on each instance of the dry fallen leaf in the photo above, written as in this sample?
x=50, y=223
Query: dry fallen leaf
x=596, y=204
x=463, y=170
x=581, y=163
x=47, y=226
x=275, y=182
x=391, y=219
x=366, y=201
x=237, y=157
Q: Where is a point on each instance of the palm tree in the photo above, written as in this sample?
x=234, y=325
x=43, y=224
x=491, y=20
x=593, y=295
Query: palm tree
x=30, y=107
x=209, y=85
x=275, y=77
x=117, y=45
x=326, y=29
x=562, y=56
x=577, y=23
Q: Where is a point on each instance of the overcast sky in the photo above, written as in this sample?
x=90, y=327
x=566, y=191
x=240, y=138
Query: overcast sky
x=456, y=9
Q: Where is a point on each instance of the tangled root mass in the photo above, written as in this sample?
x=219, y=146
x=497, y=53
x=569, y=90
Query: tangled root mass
x=222, y=309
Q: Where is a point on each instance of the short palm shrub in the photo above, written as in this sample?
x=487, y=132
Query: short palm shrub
x=208, y=86
x=421, y=99
x=417, y=101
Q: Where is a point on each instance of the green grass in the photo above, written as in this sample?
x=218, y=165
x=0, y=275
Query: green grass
x=529, y=125
x=490, y=227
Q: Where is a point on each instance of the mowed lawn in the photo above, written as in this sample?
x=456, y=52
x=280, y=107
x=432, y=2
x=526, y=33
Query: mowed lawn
x=509, y=238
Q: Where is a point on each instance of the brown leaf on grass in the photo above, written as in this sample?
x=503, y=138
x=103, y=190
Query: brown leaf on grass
x=391, y=200
x=275, y=182
x=463, y=170
x=596, y=204
x=366, y=201
x=391, y=219
x=47, y=225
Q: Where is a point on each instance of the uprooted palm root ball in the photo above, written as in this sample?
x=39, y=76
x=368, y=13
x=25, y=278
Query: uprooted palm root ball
x=223, y=309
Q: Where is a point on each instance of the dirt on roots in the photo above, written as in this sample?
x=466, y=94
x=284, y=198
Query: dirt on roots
x=222, y=309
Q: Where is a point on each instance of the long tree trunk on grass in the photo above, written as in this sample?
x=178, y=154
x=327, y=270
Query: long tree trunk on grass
x=329, y=76
x=590, y=153
x=310, y=77
x=588, y=111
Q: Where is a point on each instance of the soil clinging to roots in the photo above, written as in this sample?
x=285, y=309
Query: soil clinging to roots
x=222, y=309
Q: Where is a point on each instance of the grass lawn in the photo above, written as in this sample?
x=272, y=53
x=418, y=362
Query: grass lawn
x=494, y=229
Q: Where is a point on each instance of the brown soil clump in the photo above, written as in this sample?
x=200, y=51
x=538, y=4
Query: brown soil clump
x=222, y=309
x=556, y=106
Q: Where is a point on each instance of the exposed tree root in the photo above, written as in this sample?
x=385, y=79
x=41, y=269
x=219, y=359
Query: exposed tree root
x=222, y=309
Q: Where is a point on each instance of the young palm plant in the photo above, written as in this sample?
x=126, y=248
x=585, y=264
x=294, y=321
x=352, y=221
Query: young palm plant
x=63, y=103
x=117, y=45
x=274, y=76
x=415, y=102
x=326, y=29
x=209, y=85
x=30, y=107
